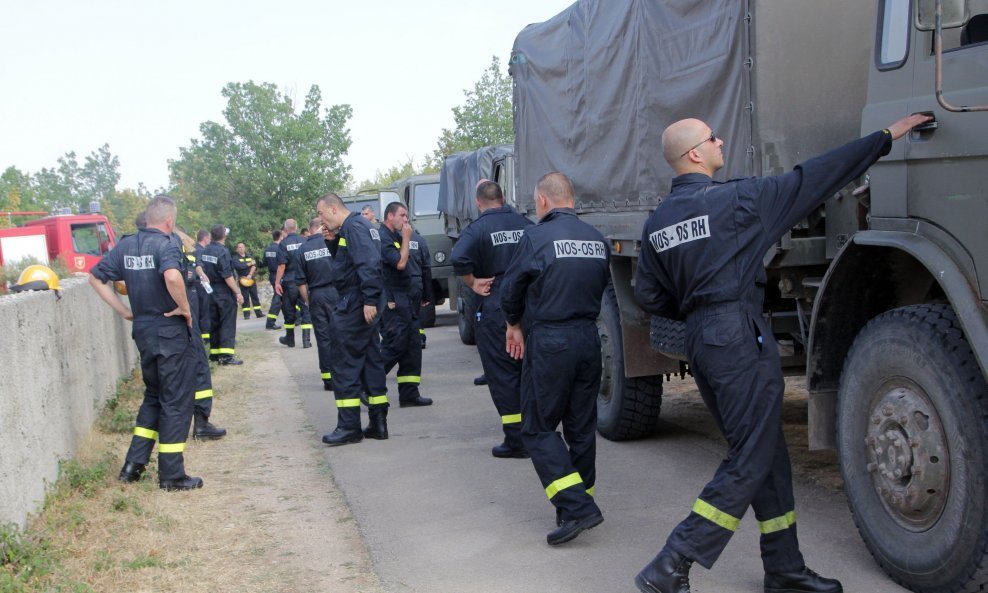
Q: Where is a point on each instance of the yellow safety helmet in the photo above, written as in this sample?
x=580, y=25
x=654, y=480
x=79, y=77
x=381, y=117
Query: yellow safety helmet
x=121, y=287
x=246, y=282
x=36, y=277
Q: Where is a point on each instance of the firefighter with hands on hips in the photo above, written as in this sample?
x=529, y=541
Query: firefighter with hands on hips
x=702, y=262
x=359, y=367
x=286, y=285
x=315, y=286
x=480, y=257
x=246, y=268
x=271, y=262
x=555, y=283
x=205, y=320
x=152, y=266
x=225, y=298
x=420, y=271
x=401, y=343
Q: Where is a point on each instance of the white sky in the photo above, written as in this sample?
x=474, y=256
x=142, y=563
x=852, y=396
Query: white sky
x=142, y=75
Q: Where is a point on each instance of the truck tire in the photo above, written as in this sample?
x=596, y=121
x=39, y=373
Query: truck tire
x=913, y=446
x=627, y=408
x=427, y=315
x=668, y=337
x=466, y=313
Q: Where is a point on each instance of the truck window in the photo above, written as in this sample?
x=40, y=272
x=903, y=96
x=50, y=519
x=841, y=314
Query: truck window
x=426, y=199
x=975, y=32
x=893, y=31
x=89, y=239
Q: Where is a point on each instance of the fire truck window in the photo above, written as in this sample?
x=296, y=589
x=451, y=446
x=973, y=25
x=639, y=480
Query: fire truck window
x=104, y=238
x=85, y=240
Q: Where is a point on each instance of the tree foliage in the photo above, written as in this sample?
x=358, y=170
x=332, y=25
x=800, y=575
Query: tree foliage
x=483, y=119
x=268, y=161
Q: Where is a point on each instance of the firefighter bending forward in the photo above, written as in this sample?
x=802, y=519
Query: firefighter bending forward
x=152, y=266
x=701, y=261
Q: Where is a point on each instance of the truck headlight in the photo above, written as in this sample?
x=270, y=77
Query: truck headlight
x=440, y=257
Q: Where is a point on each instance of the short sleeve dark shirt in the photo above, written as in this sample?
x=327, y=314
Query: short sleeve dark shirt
x=315, y=263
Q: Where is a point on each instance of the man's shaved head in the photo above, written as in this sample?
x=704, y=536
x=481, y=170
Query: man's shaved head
x=557, y=189
x=679, y=137
x=687, y=147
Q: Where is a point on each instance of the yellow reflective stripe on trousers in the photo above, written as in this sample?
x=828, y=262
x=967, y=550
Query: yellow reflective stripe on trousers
x=327, y=376
x=342, y=242
x=377, y=399
x=306, y=326
x=204, y=394
x=204, y=336
x=563, y=483
x=289, y=326
x=715, y=515
x=422, y=331
x=409, y=379
x=146, y=433
x=348, y=403
x=511, y=419
x=224, y=351
x=171, y=447
x=270, y=316
x=590, y=490
x=778, y=524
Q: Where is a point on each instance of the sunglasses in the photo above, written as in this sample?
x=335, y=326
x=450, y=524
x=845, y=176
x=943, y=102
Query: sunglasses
x=712, y=138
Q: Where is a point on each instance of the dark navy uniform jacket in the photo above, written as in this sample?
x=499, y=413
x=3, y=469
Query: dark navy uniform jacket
x=487, y=245
x=271, y=260
x=394, y=279
x=242, y=265
x=420, y=265
x=704, y=243
x=357, y=264
x=215, y=262
x=140, y=260
x=286, y=255
x=315, y=263
x=559, y=272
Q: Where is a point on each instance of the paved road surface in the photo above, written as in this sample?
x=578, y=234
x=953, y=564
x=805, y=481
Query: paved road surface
x=440, y=515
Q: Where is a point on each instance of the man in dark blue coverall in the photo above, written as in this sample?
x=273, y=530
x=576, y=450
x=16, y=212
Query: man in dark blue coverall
x=359, y=367
x=315, y=286
x=701, y=260
x=555, y=283
x=271, y=261
x=152, y=266
x=285, y=286
x=480, y=257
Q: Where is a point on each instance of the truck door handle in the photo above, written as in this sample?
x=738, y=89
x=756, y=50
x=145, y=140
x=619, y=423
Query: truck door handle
x=929, y=126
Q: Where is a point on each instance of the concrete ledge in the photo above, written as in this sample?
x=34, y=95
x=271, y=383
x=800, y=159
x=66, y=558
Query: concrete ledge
x=60, y=361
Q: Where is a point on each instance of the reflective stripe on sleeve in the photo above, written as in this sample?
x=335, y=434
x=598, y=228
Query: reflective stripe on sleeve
x=715, y=515
x=342, y=242
x=778, y=524
x=327, y=376
x=398, y=245
x=146, y=433
x=171, y=447
x=204, y=394
x=409, y=379
x=377, y=399
x=348, y=403
x=511, y=419
x=563, y=483
x=204, y=336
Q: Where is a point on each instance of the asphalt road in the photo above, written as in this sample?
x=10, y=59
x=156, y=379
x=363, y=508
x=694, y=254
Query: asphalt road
x=439, y=514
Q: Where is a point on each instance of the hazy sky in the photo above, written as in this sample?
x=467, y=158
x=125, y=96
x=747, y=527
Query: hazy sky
x=143, y=75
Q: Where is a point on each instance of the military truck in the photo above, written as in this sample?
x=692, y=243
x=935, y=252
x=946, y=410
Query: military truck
x=878, y=297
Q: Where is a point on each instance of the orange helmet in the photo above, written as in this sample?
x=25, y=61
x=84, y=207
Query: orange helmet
x=121, y=287
x=246, y=282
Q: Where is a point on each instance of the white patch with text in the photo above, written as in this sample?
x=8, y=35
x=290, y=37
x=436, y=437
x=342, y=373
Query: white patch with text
x=317, y=254
x=506, y=237
x=139, y=262
x=210, y=258
x=683, y=232
x=574, y=248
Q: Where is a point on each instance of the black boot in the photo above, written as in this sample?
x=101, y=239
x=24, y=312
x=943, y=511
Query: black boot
x=377, y=422
x=258, y=314
x=800, y=581
x=569, y=529
x=131, y=472
x=669, y=572
x=481, y=380
x=327, y=385
x=228, y=359
x=505, y=451
x=205, y=430
x=343, y=436
x=288, y=339
x=246, y=314
x=305, y=338
x=272, y=324
x=183, y=483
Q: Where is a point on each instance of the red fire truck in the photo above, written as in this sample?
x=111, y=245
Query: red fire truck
x=79, y=240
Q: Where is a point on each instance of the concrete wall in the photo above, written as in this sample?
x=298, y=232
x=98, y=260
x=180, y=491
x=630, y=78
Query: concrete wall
x=60, y=361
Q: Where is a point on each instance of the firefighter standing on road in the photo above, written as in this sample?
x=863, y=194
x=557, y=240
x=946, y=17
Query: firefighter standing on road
x=224, y=300
x=359, y=367
x=246, y=269
x=480, y=257
x=701, y=261
x=420, y=271
x=286, y=285
x=315, y=285
x=153, y=267
x=205, y=320
x=556, y=282
x=400, y=340
x=271, y=261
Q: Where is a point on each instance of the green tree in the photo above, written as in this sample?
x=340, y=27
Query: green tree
x=385, y=178
x=482, y=120
x=267, y=162
x=16, y=193
x=122, y=207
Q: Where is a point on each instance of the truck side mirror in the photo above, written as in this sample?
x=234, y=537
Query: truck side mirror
x=955, y=14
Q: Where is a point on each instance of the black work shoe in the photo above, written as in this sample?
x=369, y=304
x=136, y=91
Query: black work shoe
x=342, y=436
x=800, y=581
x=481, y=380
x=183, y=483
x=272, y=325
x=131, y=472
x=246, y=315
x=306, y=342
x=229, y=360
x=288, y=340
x=258, y=314
x=572, y=528
x=505, y=451
x=418, y=401
x=669, y=572
x=327, y=385
x=377, y=428
x=205, y=430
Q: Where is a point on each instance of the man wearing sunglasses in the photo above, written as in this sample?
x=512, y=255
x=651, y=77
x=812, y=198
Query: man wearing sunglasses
x=701, y=261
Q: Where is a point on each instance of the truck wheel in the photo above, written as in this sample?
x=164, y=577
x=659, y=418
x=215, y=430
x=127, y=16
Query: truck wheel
x=627, y=408
x=913, y=445
x=427, y=315
x=668, y=337
x=466, y=314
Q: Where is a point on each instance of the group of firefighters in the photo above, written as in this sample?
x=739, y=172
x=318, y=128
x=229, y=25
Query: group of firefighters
x=541, y=287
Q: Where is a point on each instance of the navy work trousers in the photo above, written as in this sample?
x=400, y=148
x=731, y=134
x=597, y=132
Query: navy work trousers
x=223, y=334
x=359, y=368
x=503, y=372
x=401, y=344
x=321, y=303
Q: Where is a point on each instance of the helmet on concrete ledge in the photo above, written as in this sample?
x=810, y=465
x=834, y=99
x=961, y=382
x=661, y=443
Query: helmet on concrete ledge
x=36, y=277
